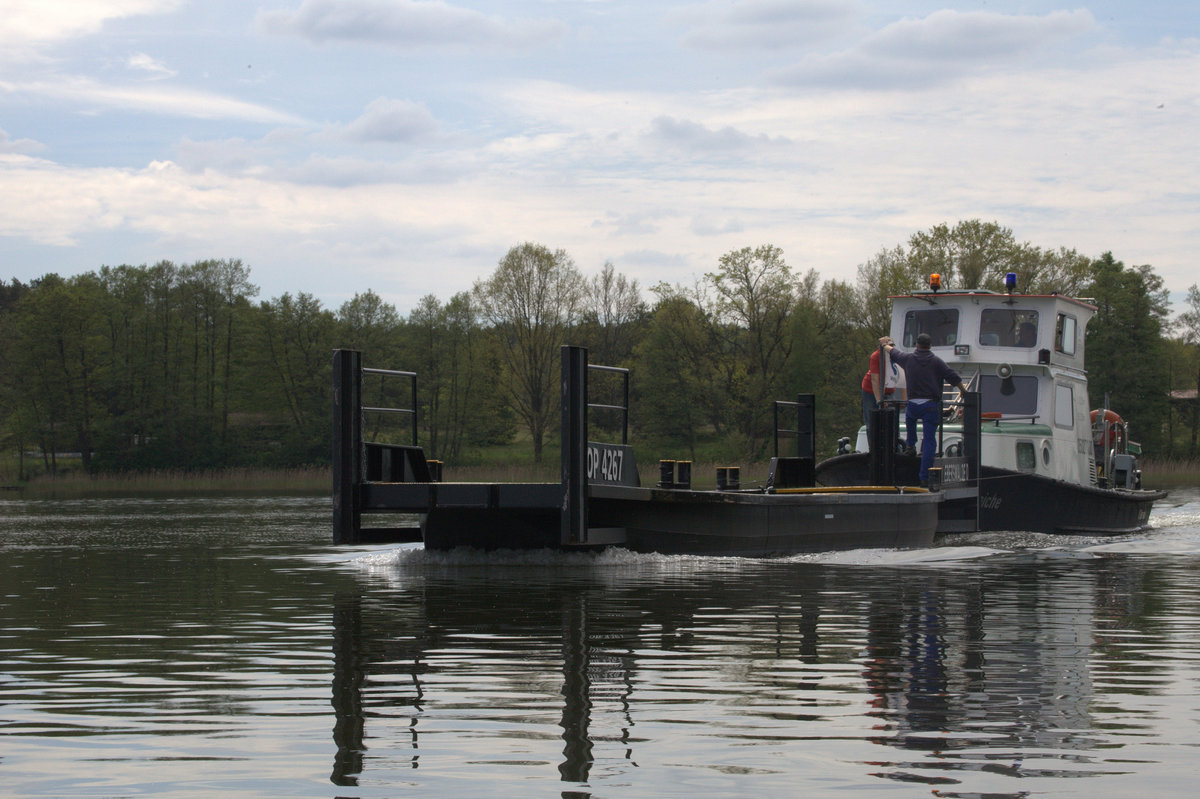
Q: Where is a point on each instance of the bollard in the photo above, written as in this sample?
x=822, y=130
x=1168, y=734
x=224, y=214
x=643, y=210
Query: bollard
x=683, y=475
x=729, y=478
x=935, y=478
x=666, y=474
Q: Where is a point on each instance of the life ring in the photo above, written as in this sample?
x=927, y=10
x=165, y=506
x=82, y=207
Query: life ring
x=1111, y=420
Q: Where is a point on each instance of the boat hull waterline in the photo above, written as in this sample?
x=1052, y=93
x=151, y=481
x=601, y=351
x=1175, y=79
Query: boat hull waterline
x=1018, y=501
x=687, y=522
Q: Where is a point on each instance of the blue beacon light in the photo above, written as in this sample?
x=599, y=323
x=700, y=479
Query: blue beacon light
x=1010, y=281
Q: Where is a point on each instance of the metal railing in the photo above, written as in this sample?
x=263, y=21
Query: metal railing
x=804, y=432
x=412, y=412
x=624, y=407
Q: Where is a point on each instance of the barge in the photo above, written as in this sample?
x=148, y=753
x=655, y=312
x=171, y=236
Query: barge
x=600, y=500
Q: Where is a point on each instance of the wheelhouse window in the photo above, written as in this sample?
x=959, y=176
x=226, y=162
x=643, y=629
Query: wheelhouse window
x=1064, y=334
x=940, y=323
x=1008, y=327
x=1009, y=396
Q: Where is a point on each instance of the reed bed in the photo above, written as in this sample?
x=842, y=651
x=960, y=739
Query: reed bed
x=1171, y=472
x=305, y=480
x=503, y=473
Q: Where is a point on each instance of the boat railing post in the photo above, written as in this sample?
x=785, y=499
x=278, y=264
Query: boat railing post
x=972, y=432
x=806, y=439
x=347, y=446
x=573, y=528
x=972, y=420
x=806, y=426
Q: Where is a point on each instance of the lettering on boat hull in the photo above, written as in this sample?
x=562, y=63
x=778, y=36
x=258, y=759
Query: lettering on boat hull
x=611, y=464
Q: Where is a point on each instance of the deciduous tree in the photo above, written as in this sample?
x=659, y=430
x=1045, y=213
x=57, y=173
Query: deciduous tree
x=532, y=301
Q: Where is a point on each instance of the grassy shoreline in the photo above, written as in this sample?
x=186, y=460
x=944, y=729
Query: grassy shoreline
x=316, y=481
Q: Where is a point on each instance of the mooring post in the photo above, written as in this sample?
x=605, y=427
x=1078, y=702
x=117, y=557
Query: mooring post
x=574, y=445
x=347, y=446
x=881, y=433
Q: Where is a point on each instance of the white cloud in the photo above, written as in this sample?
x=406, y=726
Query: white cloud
x=91, y=96
x=145, y=63
x=408, y=24
x=25, y=25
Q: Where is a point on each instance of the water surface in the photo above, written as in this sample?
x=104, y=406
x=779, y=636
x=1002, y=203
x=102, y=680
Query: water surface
x=194, y=647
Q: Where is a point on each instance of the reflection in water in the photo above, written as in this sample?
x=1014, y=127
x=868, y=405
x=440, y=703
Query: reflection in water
x=179, y=648
x=972, y=668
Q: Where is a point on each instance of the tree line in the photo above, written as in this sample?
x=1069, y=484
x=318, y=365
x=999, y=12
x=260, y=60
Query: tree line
x=180, y=367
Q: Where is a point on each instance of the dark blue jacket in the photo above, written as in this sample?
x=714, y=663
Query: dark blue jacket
x=924, y=373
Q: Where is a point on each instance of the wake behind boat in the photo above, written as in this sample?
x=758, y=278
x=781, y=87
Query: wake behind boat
x=1048, y=463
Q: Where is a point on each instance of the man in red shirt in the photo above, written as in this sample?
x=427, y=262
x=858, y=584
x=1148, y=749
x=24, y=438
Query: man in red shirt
x=874, y=390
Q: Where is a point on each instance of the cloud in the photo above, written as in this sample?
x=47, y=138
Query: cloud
x=633, y=224
x=409, y=24
x=26, y=25
x=144, y=63
x=765, y=24
x=936, y=49
x=349, y=172
x=8, y=145
x=391, y=121
x=150, y=99
x=272, y=161
x=978, y=35
x=713, y=226
x=694, y=136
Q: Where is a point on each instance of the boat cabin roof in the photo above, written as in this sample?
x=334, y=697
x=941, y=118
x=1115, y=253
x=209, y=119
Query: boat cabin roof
x=928, y=294
x=982, y=326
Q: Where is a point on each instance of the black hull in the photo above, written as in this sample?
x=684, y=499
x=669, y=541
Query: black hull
x=1019, y=501
x=761, y=525
x=684, y=522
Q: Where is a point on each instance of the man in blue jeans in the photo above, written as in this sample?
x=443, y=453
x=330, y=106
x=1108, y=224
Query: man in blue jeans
x=924, y=372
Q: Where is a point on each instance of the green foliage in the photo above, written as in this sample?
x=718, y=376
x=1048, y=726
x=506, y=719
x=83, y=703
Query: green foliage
x=675, y=383
x=459, y=398
x=977, y=255
x=176, y=367
x=1125, y=347
x=1183, y=418
x=613, y=318
x=531, y=301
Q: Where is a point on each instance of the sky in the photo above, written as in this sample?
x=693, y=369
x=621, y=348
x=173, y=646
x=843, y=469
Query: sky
x=403, y=146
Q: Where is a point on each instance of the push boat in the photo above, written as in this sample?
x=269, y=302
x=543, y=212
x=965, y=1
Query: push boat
x=1048, y=463
x=600, y=501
